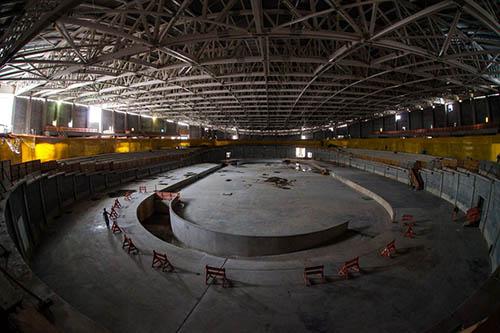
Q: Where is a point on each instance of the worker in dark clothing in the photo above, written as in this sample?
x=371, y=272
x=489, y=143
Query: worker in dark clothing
x=105, y=214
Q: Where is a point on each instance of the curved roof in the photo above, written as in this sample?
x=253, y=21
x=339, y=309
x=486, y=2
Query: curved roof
x=252, y=64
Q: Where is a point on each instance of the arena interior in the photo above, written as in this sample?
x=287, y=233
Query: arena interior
x=249, y=166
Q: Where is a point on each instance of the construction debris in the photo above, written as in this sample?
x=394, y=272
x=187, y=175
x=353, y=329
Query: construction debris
x=282, y=183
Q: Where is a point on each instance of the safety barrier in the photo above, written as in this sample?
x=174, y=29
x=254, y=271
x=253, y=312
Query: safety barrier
x=167, y=195
x=473, y=215
x=143, y=189
x=389, y=249
x=350, y=265
x=215, y=273
x=115, y=228
x=407, y=219
x=129, y=245
x=314, y=271
x=409, y=233
x=113, y=214
x=117, y=204
x=160, y=260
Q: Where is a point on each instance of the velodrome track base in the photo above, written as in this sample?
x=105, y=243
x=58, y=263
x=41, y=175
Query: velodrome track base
x=430, y=276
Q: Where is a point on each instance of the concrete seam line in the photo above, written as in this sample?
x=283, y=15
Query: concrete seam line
x=197, y=302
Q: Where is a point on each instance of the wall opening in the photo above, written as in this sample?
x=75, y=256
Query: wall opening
x=95, y=118
x=6, y=106
x=300, y=152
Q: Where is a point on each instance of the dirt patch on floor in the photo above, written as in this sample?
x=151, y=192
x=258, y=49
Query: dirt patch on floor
x=279, y=182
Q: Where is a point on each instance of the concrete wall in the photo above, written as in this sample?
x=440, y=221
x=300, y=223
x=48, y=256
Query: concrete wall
x=226, y=244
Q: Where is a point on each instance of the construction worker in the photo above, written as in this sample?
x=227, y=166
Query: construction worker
x=105, y=214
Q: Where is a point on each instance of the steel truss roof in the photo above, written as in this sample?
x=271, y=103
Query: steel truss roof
x=252, y=64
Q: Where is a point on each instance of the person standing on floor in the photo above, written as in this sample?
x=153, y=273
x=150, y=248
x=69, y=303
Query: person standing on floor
x=105, y=214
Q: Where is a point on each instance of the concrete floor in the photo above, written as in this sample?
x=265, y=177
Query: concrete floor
x=429, y=277
x=238, y=200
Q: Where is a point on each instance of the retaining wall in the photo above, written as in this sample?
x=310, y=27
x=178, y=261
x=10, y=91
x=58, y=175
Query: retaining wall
x=225, y=244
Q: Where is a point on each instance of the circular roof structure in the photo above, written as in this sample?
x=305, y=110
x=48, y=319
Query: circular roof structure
x=259, y=66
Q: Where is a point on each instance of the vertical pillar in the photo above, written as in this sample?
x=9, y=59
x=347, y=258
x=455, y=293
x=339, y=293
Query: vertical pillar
x=113, y=121
x=126, y=121
x=433, y=117
x=409, y=120
x=360, y=129
x=86, y=122
x=139, y=123
x=72, y=115
x=422, y=118
x=27, y=120
x=459, y=113
x=446, y=119
x=44, y=114
x=473, y=108
x=488, y=110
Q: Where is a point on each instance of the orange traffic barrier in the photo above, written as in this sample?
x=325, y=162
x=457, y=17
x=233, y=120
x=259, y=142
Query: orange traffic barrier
x=216, y=273
x=117, y=204
x=167, y=195
x=115, y=228
x=389, y=249
x=352, y=264
x=160, y=260
x=409, y=233
x=128, y=196
x=473, y=215
x=129, y=245
x=408, y=219
x=314, y=271
x=113, y=213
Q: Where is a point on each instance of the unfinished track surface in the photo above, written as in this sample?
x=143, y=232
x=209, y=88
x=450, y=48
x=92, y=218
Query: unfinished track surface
x=429, y=277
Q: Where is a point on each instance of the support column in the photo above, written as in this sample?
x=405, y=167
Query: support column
x=446, y=120
x=72, y=115
x=113, y=121
x=44, y=114
x=125, y=121
x=488, y=110
x=473, y=107
x=27, y=120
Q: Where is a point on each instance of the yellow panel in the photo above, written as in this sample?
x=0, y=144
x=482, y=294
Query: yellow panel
x=46, y=148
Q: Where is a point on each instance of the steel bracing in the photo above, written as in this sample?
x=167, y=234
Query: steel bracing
x=252, y=64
